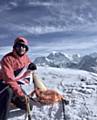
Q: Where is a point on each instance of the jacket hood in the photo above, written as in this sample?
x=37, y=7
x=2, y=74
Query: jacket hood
x=21, y=39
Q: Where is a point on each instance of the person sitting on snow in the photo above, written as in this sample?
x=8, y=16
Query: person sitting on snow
x=16, y=69
x=11, y=65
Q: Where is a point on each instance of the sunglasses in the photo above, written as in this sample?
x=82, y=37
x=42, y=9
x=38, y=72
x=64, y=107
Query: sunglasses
x=19, y=45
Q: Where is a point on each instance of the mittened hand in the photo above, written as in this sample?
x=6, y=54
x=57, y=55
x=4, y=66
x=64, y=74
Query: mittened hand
x=24, y=99
x=32, y=66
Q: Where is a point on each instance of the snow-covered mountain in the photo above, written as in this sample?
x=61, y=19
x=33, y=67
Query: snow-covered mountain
x=79, y=87
x=54, y=59
x=58, y=59
x=76, y=58
x=41, y=61
x=88, y=63
x=93, y=55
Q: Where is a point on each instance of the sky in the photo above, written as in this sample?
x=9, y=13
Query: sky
x=66, y=26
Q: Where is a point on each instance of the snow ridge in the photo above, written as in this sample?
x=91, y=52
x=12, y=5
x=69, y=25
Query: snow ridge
x=79, y=87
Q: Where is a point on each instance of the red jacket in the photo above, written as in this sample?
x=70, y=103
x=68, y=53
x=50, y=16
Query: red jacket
x=9, y=64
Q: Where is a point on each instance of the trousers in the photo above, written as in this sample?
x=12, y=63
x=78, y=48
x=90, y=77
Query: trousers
x=7, y=96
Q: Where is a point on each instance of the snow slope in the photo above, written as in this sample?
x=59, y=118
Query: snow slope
x=79, y=87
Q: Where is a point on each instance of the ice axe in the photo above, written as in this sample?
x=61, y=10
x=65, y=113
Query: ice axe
x=64, y=102
x=28, y=110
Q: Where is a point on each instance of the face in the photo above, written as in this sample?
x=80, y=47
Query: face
x=20, y=49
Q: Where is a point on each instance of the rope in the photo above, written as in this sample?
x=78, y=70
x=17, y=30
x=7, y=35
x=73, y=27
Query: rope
x=4, y=89
x=28, y=107
x=28, y=110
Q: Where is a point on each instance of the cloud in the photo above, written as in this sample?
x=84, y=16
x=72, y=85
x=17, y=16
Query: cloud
x=69, y=47
x=79, y=45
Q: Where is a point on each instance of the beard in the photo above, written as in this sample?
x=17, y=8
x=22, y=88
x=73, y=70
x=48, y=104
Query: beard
x=20, y=53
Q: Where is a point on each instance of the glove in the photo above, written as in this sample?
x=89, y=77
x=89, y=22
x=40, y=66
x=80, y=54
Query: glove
x=21, y=102
x=32, y=66
x=23, y=99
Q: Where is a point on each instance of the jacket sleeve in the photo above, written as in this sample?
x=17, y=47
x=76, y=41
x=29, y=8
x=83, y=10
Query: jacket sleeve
x=9, y=78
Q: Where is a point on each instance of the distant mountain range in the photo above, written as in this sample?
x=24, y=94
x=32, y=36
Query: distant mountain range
x=61, y=60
